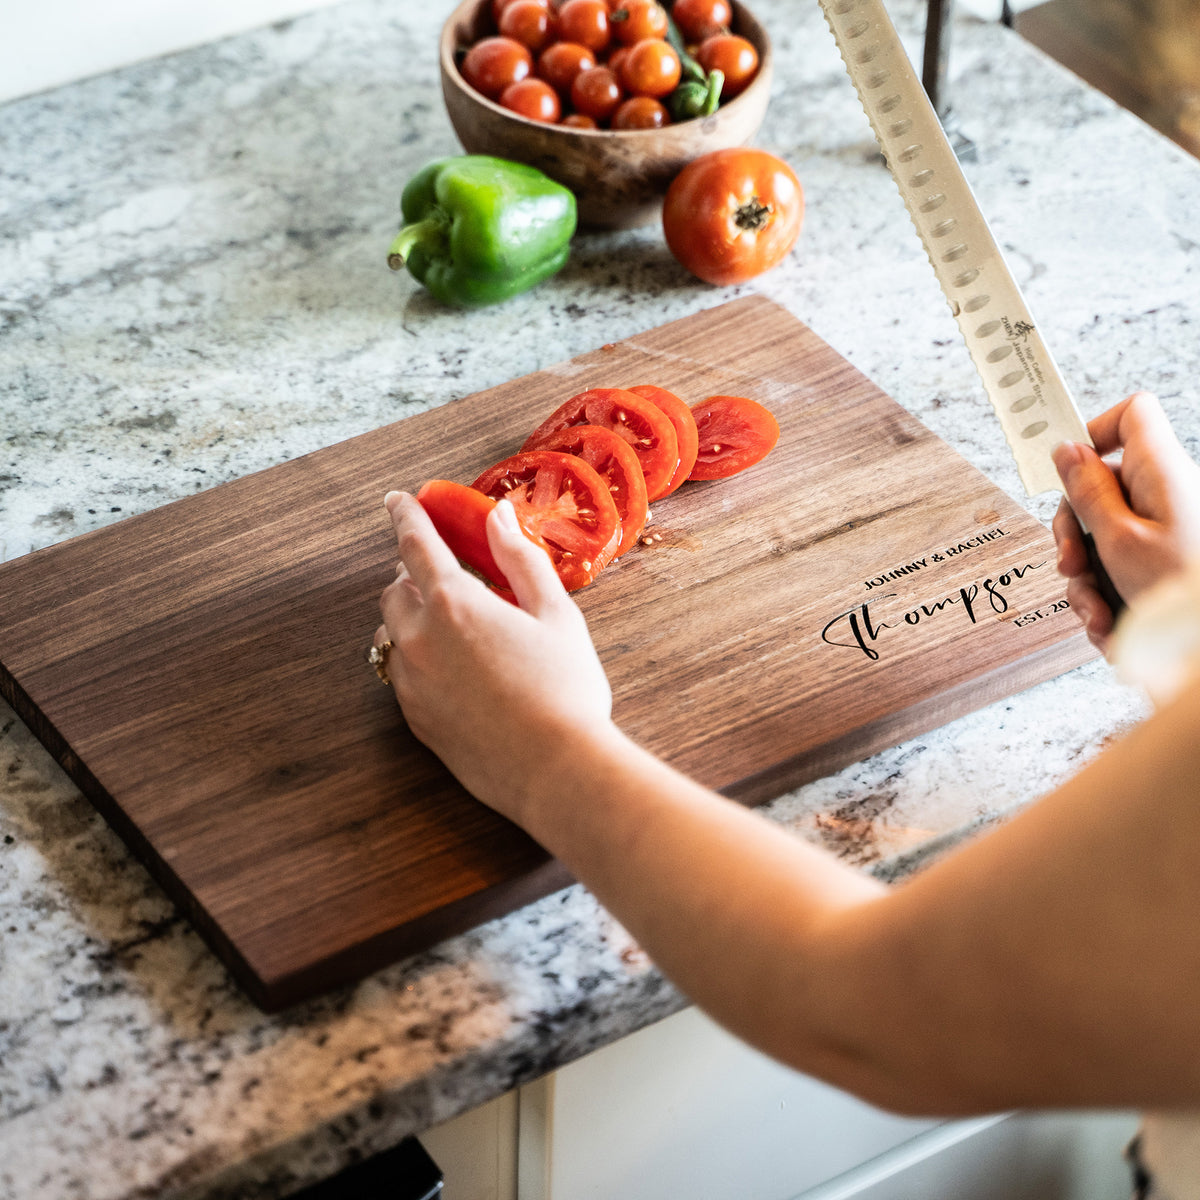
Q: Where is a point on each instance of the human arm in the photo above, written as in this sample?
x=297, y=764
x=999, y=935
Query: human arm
x=1017, y=971
x=1144, y=513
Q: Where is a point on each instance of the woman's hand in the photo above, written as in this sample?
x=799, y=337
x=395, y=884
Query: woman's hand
x=498, y=692
x=1144, y=512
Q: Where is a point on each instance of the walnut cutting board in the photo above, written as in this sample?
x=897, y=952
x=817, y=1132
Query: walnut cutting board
x=199, y=670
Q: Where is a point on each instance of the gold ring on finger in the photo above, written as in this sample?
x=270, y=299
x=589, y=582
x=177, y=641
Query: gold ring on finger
x=377, y=657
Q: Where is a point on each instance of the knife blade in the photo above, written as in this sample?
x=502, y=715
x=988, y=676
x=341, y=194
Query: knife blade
x=1031, y=399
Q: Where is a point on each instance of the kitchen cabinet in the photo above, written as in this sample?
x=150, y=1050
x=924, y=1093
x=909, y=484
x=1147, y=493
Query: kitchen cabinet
x=477, y=1151
x=683, y=1109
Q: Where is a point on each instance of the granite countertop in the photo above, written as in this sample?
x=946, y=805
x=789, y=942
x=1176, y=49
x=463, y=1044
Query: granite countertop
x=192, y=288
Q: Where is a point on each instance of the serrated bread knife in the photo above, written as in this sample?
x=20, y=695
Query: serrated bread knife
x=1031, y=400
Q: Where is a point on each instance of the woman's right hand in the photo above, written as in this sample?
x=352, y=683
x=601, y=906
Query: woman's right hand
x=1143, y=512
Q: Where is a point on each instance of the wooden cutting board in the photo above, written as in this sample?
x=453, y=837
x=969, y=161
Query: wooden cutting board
x=199, y=670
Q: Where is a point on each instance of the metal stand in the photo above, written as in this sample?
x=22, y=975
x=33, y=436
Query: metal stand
x=933, y=74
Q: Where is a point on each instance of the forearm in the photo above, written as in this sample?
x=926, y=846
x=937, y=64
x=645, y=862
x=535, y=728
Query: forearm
x=1015, y=973
x=737, y=911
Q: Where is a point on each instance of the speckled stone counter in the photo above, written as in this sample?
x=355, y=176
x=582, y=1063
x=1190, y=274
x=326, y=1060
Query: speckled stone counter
x=192, y=287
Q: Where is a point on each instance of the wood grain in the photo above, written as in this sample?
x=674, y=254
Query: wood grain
x=1145, y=54
x=199, y=670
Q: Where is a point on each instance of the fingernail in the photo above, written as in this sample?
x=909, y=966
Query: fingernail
x=506, y=515
x=391, y=500
x=1066, y=455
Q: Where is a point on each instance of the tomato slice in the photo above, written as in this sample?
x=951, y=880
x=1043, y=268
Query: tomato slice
x=562, y=504
x=459, y=513
x=734, y=433
x=685, y=429
x=614, y=460
x=642, y=424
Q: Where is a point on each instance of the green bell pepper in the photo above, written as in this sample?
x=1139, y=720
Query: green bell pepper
x=478, y=230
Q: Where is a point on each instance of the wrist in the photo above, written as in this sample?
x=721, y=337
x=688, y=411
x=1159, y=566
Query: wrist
x=568, y=781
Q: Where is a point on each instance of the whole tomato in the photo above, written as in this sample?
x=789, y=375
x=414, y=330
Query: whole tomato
x=596, y=93
x=533, y=99
x=732, y=214
x=560, y=62
x=651, y=68
x=735, y=57
x=492, y=63
x=634, y=20
x=700, y=19
x=640, y=112
x=530, y=22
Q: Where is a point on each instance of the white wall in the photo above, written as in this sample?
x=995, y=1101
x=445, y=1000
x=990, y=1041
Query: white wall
x=990, y=9
x=44, y=43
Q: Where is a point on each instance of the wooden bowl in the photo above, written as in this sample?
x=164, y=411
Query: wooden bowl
x=619, y=177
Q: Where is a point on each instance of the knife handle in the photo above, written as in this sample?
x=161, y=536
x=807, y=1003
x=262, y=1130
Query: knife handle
x=1104, y=584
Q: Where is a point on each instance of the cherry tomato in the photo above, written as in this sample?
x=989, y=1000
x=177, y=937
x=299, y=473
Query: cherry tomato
x=734, y=56
x=561, y=62
x=685, y=429
x=642, y=424
x=640, y=112
x=563, y=505
x=731, y=214
x=615, y=58
x=579, y=121
x=585, y=22
x=534, y=99
x=613, y=459
x=700, y=19
x=492, y=63
x=459, y=514
x=633, y=20
x=530, y=22
x=734, y=433
x=498, y=7
x=596, y=93
x=651, y=68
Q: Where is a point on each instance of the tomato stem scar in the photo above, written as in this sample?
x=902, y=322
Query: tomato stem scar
x=752, y=215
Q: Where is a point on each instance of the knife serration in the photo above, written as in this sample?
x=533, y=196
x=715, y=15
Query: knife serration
x=1031, y=399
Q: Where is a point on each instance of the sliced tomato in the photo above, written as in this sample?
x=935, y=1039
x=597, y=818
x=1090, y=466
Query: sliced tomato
x=642, y=424
x=459, y=513
x=685, y=429
x=613, y=459
x=734, y=434
x=562, y=504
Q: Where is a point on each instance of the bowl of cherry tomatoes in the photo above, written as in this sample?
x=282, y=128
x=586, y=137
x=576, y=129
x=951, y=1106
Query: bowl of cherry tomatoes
x=589, y=91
